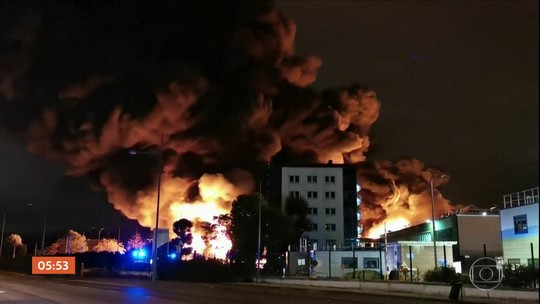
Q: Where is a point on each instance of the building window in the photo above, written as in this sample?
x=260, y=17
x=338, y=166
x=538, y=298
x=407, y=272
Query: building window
x=312, y=211
x=349, y=262
x=520, y=224
x=330, y=227
x=371, y=263
x=312, y=194
x=330, y=194
x=330, y=179
x=294, y=178
x=314, y=227
x=312, y=179
x=294, y=194
x=330, y=211
x=514, y=262
x=331, y=242
x=529, y=263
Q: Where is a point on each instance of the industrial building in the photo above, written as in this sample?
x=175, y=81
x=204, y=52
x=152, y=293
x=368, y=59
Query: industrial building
x=461, y=238
x=519, y=228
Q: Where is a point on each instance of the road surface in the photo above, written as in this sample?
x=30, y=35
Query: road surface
x=17, y=288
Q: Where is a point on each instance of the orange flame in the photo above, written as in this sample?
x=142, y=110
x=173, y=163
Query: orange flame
x=216, y=197
x=404, y=209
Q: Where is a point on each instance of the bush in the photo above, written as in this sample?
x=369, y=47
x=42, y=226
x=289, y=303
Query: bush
x=196, y=270
x=519, y=276
x=22, y=264
x=443, y=275
x=363, y=275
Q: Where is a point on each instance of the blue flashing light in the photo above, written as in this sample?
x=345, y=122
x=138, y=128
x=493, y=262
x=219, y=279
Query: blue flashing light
x=172, y=255
x=139, y=254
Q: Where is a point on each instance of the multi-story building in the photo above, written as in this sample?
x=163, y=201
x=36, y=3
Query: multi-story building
x=331, y=192
x=519, y=227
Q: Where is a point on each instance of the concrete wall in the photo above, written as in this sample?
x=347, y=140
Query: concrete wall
x=476, y=230
x=433, y=290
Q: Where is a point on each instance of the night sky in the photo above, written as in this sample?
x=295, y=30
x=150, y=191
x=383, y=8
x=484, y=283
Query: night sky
x=457, y=80
x=457, y=83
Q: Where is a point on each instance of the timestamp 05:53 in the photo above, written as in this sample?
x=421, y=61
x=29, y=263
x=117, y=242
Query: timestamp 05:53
x=53, y=265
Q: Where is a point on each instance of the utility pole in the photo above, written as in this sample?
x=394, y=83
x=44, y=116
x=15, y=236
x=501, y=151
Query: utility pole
x=259, y=238
x=2, y=239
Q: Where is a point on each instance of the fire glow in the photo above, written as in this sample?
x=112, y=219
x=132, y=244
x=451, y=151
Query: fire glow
x=236, y=98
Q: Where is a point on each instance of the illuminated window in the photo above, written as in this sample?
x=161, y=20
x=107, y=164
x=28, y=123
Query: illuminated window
x=312, y=179
x=330, y=227
x=520, y=224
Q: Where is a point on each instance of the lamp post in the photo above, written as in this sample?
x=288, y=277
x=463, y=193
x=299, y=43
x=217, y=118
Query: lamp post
x=154, y=242
x=434, y=238
x=99, y=235
x=259, y=238
x=44, y=227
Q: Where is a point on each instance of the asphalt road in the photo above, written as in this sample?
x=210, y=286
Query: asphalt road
x=17, y=288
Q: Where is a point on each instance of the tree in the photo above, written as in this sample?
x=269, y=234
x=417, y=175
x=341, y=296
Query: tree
x=109, y=245
x=242, y=228
x=136, y=242
x=15, y=240
x=182, y=228
x=277, y=231
x=297, y=208
x=72, y=243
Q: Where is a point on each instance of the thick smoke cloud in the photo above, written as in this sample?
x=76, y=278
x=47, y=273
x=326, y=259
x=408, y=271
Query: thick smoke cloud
x=399, y=193
x=216, y=86
x=219, y=82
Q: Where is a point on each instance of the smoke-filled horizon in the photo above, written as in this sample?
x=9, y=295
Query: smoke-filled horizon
x=206, y=90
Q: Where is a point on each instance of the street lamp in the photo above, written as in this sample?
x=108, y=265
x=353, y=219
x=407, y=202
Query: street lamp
x=434, y=238
x=44, y=227
x=259, y=238
x=154, y=243
x=99, y=234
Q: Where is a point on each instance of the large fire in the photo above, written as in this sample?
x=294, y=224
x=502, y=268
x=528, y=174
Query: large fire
x=215, y=198
x=395, y=196
x=223, y=92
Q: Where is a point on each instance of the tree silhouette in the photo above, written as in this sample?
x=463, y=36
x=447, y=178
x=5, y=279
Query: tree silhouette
x=182, y=228
x=73, y=242
x=15, y=240
x=109, y=245
x=297, y=209
x=136, y=242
